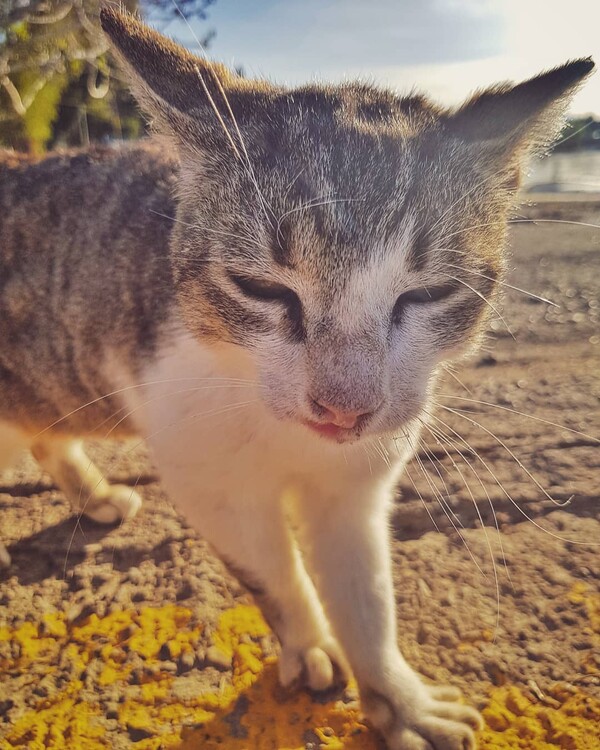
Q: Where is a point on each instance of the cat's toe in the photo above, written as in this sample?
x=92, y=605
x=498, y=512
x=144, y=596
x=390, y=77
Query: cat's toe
x=119, y=504
x=431, y=719
x=319, y=667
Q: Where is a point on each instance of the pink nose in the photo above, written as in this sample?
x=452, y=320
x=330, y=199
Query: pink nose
x=335, y=415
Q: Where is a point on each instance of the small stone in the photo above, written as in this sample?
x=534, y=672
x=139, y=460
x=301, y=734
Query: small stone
x=169, y=667
x=423, y=588
x=216, y=658
x=5, y=706
x=134, y=576
x=487, y=361
x=137, y=734
x=536, y=653
x=496, y=672
x=112, y=711
x=80, y=611
x=186, y=661
x=167, y=651
x=136, y=677
x=99, y=579
x=448, y=640
x=186, y=590
x=423, y=633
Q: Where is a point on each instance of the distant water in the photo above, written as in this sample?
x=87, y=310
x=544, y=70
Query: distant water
x=565, y=173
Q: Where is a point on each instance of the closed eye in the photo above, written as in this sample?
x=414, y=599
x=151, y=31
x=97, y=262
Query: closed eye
x=263, y=290
x=267, y=291
x=421, y=296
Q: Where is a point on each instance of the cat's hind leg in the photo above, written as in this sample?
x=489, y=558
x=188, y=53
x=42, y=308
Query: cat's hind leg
x=82, y=482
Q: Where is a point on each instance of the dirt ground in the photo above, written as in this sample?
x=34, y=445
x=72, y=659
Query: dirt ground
x=136, y=636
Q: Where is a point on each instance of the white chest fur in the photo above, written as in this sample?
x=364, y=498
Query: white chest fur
x=216, y=443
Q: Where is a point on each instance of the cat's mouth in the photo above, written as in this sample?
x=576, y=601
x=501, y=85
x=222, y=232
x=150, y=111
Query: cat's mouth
x=332, y=431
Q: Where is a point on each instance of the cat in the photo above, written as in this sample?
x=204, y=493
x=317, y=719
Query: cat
x=267, y=295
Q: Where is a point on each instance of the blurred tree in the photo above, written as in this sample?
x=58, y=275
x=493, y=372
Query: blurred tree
x=58, y=82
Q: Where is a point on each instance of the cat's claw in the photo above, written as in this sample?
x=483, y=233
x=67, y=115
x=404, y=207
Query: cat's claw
x=317, y=667
x=119, y=504
x=434, y=721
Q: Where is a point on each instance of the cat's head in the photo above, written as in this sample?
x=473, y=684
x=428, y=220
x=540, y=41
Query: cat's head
x=346, y=239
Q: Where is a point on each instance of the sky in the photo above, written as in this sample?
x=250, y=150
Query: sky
x=446, y=48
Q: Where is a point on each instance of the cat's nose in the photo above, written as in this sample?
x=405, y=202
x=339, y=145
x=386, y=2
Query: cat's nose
x=345, y=418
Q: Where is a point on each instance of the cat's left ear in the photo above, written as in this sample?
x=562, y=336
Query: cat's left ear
x=508, y=120
x=189, y=96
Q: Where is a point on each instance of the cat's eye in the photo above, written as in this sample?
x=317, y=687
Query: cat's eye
x=271, y=292
x=263, y=290
x=421, y=296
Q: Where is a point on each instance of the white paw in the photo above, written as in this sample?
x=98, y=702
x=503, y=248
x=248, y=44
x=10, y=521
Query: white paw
x=119, y=504
x=318, y=667
x=430, y=719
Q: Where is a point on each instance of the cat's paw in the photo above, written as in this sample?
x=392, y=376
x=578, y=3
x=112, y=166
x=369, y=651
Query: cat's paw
x=432, y=718
x=318, y=667
x=119, y=503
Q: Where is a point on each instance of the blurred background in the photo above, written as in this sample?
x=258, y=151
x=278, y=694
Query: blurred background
x=59, y=86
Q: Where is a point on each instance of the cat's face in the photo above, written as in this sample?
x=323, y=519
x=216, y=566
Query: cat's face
x=346, y=240
x=345, y=254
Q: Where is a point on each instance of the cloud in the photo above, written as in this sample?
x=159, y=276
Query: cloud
x=447, y=47
x=293, y=38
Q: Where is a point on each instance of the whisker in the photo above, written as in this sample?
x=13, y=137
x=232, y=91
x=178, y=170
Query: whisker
x=407, y=473
x=443, y=503
x=503, y=283
x=480, y=517
x=438, y=434
x=522, y=221
x=468, y=488
x=313, y=203
x=128, y=388
x=483, y=297
x=503, y=489
x=448, y=368
x=246, y=239
x=510, y=453
x=521, y=414
x=365, y=449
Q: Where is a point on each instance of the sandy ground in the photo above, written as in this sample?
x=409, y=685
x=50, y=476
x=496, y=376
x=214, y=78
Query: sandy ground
x=136, y=636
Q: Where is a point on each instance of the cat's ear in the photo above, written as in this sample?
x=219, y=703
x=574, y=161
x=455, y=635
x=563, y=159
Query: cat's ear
x=180, y=91
x=527, y=117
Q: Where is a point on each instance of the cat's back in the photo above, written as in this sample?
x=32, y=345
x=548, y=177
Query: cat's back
x=60, y=192
x=83, y=264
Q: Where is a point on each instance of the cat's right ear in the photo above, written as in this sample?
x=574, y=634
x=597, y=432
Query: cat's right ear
x=524, y=117
x=183, y=94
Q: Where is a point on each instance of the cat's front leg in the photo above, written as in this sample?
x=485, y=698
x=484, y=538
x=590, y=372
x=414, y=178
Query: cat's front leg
x=346, y=533
x=247, y=528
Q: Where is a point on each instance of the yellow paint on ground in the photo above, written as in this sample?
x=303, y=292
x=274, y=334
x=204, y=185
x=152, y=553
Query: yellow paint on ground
x=250, y=711
x=515, y=722
x=244, y=714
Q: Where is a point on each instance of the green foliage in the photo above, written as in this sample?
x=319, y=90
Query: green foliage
x=43, y=111
x=58, y=82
